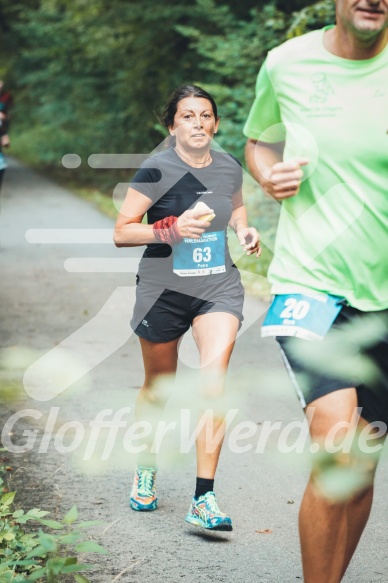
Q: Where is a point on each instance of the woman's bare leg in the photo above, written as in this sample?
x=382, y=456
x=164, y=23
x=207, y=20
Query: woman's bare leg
x=215, y=335
x=160, y=358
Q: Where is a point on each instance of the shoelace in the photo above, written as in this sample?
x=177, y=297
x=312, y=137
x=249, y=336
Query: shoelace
x=211, y=500
x=146, y=481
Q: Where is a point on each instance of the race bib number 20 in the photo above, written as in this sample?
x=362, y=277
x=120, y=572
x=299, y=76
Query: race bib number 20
x=204, y=256
x=304, y=316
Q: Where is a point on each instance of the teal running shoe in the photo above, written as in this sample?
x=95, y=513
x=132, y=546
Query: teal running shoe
x=143, y=494
x=204, y=512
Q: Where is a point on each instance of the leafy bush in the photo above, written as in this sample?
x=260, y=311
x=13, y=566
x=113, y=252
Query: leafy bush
x=107, y=68
x=313, y=17
x=30, y=555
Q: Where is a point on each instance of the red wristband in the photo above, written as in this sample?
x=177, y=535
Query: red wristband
x=166, y=230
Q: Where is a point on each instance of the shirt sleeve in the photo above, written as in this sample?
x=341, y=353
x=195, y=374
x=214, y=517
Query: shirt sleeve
x=237, y=173
x=146, y=181
x=264, y=121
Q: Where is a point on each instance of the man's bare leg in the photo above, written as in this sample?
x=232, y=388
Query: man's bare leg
x=330, y=530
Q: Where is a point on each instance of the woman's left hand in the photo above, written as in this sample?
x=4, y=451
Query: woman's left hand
x=249, y=237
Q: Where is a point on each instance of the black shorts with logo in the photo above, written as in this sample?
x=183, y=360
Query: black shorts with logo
x=162, y=315
x=353, y=354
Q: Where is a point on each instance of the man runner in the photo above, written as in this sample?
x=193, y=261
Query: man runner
x=318, y=144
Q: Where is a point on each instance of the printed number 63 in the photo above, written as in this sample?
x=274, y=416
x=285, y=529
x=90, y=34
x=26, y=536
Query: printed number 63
x=200, y=254
x=297, y=310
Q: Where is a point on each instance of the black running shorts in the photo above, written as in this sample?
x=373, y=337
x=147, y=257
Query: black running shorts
x=164, y=315
x=316, y=373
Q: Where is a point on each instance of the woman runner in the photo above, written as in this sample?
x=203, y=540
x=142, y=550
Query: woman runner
x=186, y=276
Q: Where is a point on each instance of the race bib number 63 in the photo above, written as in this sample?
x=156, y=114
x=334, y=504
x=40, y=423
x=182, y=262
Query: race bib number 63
x=203, y=256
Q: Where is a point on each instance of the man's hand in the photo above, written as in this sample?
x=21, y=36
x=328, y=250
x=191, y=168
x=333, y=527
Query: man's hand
x=285, y=178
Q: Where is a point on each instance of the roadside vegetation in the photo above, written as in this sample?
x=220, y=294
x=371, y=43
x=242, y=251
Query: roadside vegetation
x=35, y=547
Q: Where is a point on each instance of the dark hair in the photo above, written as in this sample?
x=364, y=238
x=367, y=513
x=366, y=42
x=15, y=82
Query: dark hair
x=170, y=109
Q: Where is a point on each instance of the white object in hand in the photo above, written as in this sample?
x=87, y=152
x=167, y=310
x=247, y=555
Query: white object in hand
x=208, y=215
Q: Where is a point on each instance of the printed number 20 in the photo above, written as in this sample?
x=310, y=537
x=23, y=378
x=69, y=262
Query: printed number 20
x=200, y=254
x=294, y=309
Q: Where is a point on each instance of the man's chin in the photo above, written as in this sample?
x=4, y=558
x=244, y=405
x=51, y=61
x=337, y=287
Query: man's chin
x=371, y=25
x=367, y=32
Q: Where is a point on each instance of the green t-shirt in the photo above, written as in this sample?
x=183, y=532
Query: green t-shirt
x=332, y=236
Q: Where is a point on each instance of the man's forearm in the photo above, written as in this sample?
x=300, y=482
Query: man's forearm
x=260, y=158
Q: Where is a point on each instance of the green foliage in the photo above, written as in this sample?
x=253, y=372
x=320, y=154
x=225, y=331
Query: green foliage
x=88, y=76
x=338, y=475
x=39, y=555
x=313, y=17
x=103, y=75
x=230, y=53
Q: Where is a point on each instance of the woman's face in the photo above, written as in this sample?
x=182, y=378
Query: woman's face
x=194, y=124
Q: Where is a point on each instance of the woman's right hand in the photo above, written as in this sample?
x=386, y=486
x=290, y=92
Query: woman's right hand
x=190, y=225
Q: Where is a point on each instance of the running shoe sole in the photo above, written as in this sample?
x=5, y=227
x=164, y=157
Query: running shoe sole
x=226, y=527
x=143, y=508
